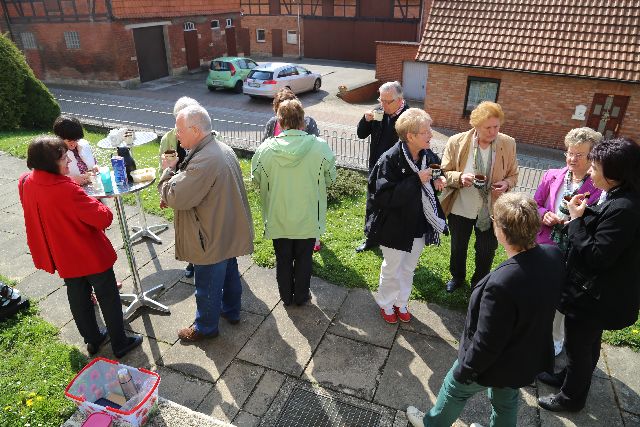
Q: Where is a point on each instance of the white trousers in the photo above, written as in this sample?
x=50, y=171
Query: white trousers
x=396, y=275
x=558, y=332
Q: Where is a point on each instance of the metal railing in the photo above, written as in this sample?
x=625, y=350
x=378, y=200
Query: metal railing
x=351, y=152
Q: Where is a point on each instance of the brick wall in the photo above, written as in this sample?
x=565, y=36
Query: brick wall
x=390, y=57
x=538, y=108
x=155, y=8
x=268, y=23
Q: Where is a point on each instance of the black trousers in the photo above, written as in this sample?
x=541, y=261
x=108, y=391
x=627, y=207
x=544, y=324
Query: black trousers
x=79, y=294
x=293, y=268
x=582, y=344
x=485, y=248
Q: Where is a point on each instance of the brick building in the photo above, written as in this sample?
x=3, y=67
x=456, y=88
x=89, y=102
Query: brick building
x=551, y=68
x=329, y=29
x=121, y=41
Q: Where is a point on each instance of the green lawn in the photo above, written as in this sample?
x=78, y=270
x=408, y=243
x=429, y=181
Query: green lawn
x=337, y=262
x=35, y=368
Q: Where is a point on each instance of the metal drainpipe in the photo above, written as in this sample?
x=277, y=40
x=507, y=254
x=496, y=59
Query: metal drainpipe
x=299, y=35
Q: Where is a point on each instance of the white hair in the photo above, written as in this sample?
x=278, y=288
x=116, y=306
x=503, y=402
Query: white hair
x=183, y=103
x=196, y=115
x=580, y=136
x=392, y=86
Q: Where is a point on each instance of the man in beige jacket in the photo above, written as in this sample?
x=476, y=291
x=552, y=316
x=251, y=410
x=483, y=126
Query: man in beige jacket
x=468, y=199
x=212, y=220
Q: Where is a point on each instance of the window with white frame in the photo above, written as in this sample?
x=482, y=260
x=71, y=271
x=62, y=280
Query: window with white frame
x=229, y=22
x=292, y=37
x=72, y=40
x=261, y=35
x=215, y=24
x=28, y=41
x=189, y=26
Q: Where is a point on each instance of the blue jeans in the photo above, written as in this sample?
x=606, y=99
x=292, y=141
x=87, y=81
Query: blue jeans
x=454, y=395
x=218, y=289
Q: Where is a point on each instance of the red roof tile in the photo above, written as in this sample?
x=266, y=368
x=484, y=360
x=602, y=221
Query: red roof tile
x=588, y=38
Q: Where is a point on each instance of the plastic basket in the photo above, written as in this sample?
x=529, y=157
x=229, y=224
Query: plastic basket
x=100, y=377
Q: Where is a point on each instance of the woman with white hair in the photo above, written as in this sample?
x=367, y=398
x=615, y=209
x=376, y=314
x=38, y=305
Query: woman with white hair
x=405, y=213
x=558, y=186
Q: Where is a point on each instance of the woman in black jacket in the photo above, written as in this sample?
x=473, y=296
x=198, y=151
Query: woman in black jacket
x=406, y=213
x=507, y=334
x=603, y=265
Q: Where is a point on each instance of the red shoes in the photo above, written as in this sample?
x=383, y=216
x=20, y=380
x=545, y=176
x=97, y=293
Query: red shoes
x=389, y=318
x=404, y=317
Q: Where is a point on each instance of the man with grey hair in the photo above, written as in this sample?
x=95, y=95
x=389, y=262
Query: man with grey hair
x=380, y=124
x=169, y=143
x=212, y=220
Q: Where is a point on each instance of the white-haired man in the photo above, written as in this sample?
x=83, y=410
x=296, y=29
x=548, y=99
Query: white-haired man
x=382, y=129
x=212, y=220
x=169, y=142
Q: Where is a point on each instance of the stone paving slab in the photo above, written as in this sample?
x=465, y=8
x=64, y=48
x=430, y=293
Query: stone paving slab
x=163, y=269
x=359, y=319
x=231, y=391
x=15, y=259
x=434, y=320
x=208, y=359
x=259, y=290
x=245, y=419
x=264, y=393
x=55, y=308
x=347, y=366
x=630, y=419
x=182, y=389
x=601, y=408
x=12, y=223
x=39, y=284
x=623, y=365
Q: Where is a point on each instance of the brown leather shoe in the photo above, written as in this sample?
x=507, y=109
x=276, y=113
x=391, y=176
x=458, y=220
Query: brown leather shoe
x=191, y=335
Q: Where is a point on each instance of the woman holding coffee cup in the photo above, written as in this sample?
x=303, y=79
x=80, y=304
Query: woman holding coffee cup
x=556, y=186
x=405, y=213
x=82, y=162
x=603, y=269
x=479, y=166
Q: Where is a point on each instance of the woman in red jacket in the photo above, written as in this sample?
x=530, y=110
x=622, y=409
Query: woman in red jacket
x=65, y=232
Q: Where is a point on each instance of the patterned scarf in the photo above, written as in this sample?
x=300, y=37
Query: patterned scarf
x=558, y=235
x=429, y=206
x=82, y=166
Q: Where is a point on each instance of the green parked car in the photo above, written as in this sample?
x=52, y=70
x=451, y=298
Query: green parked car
x=229, y=72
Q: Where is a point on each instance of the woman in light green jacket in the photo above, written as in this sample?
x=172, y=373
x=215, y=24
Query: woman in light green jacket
x=293, y=171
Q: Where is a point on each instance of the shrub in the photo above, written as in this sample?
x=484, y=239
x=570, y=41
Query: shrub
x=348, y=184
x=24, y=100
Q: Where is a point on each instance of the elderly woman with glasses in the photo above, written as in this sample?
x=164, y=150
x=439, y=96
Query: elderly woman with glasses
x=507, y=335
x=603, y=269
x=558, y=186
x=405, y=212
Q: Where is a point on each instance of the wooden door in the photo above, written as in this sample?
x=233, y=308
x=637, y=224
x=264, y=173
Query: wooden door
x=150, y=52
x=230, y=34
x=606, y=114
x=191, y=49
x=276, y=42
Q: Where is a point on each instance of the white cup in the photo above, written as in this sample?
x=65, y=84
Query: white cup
x=378, y=115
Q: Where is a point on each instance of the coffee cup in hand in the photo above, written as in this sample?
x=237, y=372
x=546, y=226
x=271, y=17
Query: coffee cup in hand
x=479, y=181
x=378, y=115
x=170, y=155
x=436, y=171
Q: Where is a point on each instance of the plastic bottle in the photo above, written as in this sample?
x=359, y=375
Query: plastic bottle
x=105, y=176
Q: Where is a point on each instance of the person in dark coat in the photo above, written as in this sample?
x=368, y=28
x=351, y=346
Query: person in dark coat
x=603, y=266
x=507, y=335
x=405, y=212
x=379, y=123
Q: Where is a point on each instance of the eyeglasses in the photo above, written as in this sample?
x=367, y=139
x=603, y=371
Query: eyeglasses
x=386, y=101
x=576, y=156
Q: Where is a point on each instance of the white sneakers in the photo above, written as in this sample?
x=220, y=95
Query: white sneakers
x=415, y=416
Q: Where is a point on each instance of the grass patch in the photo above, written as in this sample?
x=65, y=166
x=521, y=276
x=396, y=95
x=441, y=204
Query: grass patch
x=35, y=369
x=337, y=262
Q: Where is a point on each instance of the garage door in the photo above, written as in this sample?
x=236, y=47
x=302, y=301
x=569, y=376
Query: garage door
x=151, y=54
x=414, y=80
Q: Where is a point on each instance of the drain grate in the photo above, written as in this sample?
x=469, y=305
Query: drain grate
x=305, y=408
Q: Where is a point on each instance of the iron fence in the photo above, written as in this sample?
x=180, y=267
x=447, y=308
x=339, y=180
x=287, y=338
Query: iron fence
x=351, y=152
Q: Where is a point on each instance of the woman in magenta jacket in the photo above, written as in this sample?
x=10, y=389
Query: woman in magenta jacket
x=65, y=232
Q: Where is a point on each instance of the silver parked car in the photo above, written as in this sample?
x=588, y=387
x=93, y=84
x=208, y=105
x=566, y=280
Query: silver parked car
x=267, y=79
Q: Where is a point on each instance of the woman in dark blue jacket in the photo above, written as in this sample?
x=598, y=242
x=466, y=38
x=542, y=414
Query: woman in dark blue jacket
x=405, y=213
x=603, y=266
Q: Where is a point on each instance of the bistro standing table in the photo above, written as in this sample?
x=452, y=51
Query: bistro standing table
x=140, y=298
x=144, y=230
